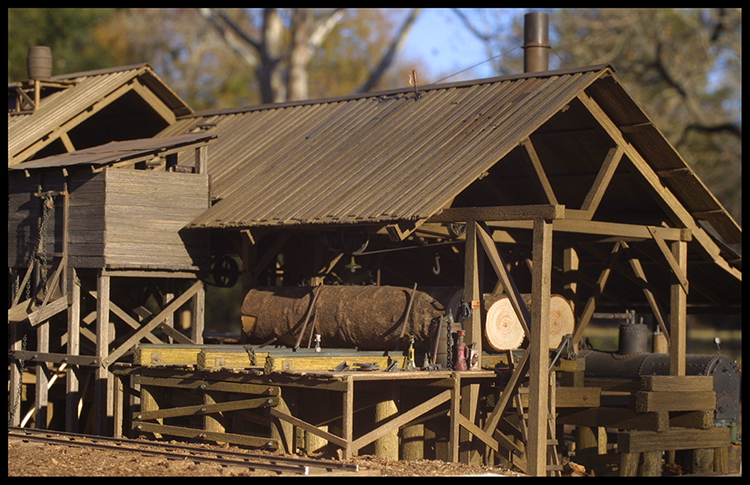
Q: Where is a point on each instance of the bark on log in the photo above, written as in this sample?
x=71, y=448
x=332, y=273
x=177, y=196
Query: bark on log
x=365, y=317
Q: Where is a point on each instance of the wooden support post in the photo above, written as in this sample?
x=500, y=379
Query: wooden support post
x=678, y=312
x=412, y=435
x=347, y=426
x=629, y=464
x=473, y=328
x=118, y=405
x=212, y=422
x=16, y=343
x=102, y=401
x=283, y=430
x=198, y=315
x=387, y=445
x=650, y=464
x=571, y=264
x=317, y=405
x=472, y=291
x=539, y=347
x=201, y=159
x=167, y=297
x=42, y=379
x=72, y=383
x=455, y=410
x=15, y=389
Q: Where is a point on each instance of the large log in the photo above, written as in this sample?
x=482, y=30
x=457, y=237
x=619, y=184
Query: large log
x=364, y=317
x=503, y=329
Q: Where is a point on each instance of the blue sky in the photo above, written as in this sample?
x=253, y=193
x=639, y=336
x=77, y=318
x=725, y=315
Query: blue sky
x=442, y=42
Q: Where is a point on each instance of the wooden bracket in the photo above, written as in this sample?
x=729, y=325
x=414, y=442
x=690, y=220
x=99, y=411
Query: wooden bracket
x=681, y=277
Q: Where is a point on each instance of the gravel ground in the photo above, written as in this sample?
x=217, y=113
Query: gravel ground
x=27, y=459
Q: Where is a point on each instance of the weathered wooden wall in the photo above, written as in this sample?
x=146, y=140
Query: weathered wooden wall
x=118, y=218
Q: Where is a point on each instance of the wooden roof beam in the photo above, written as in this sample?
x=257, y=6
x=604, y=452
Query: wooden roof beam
x=603, y=178
x=665, y=197
x=64, y=128
x=611, y=229
x=541, y=175
x=549, y=212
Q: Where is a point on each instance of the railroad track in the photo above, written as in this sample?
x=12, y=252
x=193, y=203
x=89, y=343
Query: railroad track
x=255, y=461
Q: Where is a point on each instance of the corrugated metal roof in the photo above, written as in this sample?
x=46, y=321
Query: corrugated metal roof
x=57, y=109
x=116, y=151
x=395, y=155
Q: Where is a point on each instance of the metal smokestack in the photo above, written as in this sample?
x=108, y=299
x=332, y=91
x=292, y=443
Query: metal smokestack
x=536, y=42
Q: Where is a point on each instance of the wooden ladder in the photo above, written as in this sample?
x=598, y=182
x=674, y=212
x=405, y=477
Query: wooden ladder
x=554, y=467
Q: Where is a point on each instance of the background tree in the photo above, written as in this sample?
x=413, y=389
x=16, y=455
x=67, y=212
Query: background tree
x=69, y=32
x=682, y=66
x=234, y=57
x=285, y=42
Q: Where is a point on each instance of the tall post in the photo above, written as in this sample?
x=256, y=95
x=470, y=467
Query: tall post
x=42, y=378
x=198, y=316
x=539, y=347
x=72, y=394
x=473, y=327
x=102, y=402
x=678, y=314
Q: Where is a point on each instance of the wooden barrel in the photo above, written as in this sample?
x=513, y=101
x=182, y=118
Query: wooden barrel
x=503, y=329
x=39, y=62
x=365, y=317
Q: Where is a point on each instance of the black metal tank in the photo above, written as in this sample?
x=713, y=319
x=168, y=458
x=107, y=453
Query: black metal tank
x=724, y=370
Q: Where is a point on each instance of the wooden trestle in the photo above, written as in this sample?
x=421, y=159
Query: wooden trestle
x=348, y=412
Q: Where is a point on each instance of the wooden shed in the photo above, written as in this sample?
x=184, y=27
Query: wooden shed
x=528, y=185
x=115, y=218
x=539, y=183
x=79, y=219
x=69, y=112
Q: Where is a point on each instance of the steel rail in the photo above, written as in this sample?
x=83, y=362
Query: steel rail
x=279, y=464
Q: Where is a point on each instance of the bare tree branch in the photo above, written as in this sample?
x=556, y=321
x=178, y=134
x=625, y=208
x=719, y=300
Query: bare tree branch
x=230, y=32
x=324, y=26
x=307, y=35
x=390, y=55
x=470, y=27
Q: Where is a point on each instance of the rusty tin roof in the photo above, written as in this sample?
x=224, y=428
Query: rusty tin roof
x=405, y=154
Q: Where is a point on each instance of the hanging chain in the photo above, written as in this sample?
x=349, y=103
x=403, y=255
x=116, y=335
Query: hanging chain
x=48, y=203
x=17, y=403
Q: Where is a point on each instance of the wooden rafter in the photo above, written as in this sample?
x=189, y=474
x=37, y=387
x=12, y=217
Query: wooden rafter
x=522, y=312
x=603, y=178
x=635, y=264
x=590, y=306
x=541, y=175
x=572, y=223
x=500, y=213
x=665, y=197
x=676, y=269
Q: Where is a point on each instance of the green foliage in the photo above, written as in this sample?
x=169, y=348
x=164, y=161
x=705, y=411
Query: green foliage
x=67, y=31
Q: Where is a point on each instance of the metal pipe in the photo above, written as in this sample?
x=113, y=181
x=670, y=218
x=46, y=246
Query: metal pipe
x=536, y=42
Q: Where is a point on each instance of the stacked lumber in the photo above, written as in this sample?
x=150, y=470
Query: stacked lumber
x=684, y=407
x=216, y=357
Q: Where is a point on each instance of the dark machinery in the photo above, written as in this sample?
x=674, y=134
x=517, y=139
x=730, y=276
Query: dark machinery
x=633, y=360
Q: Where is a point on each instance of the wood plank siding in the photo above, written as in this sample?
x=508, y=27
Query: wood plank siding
x=119, y=218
